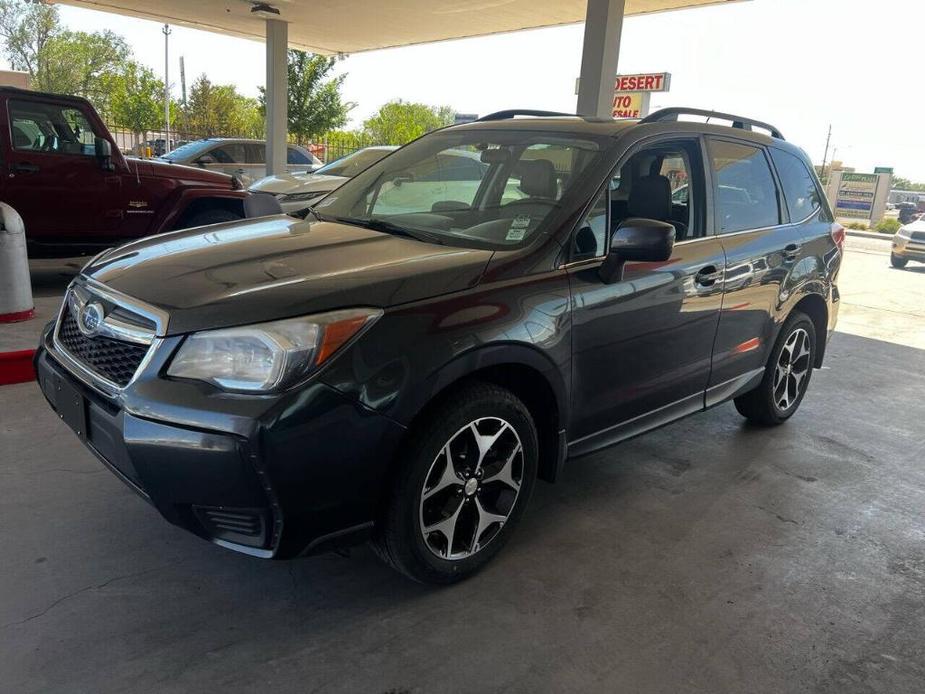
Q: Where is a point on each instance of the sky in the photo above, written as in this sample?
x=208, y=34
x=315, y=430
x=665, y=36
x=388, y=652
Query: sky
x=799, y=64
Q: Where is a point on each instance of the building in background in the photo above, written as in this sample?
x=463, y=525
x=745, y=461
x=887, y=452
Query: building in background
x=14, y=78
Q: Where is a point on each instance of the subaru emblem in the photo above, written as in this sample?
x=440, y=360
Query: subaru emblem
x=90, y=319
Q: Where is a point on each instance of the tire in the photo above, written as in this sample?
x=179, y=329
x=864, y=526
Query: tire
x=897, y=262
x=769, y=404
x=214, y=216
x=471, y=508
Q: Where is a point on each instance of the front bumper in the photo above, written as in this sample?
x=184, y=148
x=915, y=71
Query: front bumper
x=271, y=476
x=910, y=249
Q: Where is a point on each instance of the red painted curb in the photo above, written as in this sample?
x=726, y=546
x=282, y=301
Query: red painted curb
x=17, y=316
x=16, y=367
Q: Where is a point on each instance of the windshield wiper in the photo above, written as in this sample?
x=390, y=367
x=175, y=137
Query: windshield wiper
x=387, y=227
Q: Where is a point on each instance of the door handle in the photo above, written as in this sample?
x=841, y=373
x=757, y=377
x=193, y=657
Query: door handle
x=23, y=167
x=708, y=276
x=791, y=251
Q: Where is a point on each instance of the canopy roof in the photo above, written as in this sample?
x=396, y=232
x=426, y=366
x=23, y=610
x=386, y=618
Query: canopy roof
x=351, y=26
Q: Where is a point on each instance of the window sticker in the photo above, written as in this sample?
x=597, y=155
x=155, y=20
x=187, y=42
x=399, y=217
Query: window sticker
x=518, y=228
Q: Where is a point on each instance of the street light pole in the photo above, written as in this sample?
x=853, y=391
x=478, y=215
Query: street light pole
x=825, y=156
x=166, y=32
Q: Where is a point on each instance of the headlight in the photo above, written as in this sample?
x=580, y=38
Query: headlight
x=267, y=356
x=904, y=232
x=300, y=197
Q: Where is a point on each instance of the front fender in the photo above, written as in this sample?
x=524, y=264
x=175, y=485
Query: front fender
x=179, y=201
x=417, y=350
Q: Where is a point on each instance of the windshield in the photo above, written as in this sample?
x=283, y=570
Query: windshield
x=188, y=151
x=467, y=187
x=353, y=164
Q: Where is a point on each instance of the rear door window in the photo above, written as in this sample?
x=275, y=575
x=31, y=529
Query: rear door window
x=256, y=153
x=745, y=195
x=800, y=189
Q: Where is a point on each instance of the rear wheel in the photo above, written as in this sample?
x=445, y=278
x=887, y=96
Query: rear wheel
x=897, y=262
x=786, y=376
x=465, y=480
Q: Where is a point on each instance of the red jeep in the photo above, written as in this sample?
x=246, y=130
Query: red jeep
x=78, y=194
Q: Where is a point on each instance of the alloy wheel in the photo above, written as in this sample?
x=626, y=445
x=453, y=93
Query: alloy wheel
x=793, y=365
x=471, y=488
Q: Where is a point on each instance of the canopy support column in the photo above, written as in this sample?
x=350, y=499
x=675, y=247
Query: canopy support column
x=603, y=27
x=277, y=99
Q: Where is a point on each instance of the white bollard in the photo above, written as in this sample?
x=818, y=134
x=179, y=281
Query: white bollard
x=15, y=283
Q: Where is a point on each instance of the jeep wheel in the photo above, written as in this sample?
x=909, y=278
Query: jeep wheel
x=216, y=216
x=463, y=484
x=897, y=262
x=786, y=376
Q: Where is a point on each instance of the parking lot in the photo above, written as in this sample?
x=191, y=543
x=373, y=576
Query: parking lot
x=708, y=556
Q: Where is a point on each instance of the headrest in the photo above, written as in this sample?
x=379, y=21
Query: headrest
x=538, y=178
x=650, y=198
x=20, y=139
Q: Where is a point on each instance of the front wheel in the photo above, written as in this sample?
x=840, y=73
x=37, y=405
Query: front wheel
x=898, y=262
x=786, y=376
x=463, y=484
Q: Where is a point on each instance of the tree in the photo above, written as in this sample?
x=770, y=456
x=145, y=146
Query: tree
x=220, y=110
x=138, y=100
x=314, y=103
x=399, y=122
x=26, y=27
x=87, y=65
x=900, y=183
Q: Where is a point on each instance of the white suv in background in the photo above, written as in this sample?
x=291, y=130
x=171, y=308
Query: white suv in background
x=296, y=191
x=246, y=159
x=909, y=244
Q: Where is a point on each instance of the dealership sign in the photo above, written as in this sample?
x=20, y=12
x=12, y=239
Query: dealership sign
x=855, y=197
x=646, y=82
x=631, y=93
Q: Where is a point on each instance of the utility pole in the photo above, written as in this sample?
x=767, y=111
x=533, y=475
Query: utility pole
x=826, y=155
x=166, y=32
x=183, y=96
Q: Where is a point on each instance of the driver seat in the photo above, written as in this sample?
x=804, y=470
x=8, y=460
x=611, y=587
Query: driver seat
x=650, y=198
x=538, y=180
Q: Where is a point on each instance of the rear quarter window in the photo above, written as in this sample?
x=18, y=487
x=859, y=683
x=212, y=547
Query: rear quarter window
x=800, y=190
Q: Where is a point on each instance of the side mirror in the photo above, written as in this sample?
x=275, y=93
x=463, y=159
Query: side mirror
x=645, y=240
x=205, y=159
x=402, y=178
x=103, y=150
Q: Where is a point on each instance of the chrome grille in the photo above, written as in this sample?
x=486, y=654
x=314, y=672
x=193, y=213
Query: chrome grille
x=114, y=360
x=105, y=335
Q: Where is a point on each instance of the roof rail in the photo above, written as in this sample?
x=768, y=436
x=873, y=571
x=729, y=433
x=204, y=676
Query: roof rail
x=510, y=113
x=671, y=114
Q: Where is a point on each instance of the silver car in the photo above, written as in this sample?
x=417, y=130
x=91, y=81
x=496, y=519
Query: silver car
x=246, y=159
x=296, y=191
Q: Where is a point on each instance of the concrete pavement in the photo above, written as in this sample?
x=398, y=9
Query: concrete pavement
x=879, y=301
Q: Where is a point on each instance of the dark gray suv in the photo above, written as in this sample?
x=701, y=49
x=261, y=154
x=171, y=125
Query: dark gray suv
x=405, y=362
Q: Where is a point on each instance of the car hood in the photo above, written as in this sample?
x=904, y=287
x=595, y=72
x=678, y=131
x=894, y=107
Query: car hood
x=194, y=174
x=917, y=225
x=278, y=267
x=297, y=183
